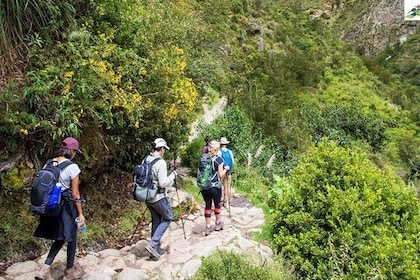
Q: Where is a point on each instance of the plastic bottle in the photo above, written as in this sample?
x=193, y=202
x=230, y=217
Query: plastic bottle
x=80, y=226
x=55, y=198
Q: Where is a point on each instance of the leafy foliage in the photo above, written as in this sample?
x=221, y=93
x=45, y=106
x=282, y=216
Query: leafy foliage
x=338, y=216
x=24, y=23
x=346, y=123
x=227, y=265
x=124, y=72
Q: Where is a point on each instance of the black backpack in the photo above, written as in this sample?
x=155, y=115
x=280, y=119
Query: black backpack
x=206, y=173
x=42, y=188
x=143, y=187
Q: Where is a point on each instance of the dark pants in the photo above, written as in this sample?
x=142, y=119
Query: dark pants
x=55, y=248
x=210, y=196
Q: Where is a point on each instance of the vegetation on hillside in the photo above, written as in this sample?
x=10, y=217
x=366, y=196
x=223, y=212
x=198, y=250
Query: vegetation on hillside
x=117, y=74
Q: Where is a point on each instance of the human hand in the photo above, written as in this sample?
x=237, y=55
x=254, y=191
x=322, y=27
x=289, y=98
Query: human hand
x=227, y=167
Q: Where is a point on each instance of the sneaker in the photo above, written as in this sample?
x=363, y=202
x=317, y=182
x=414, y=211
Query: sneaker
x=219, y=226
x=153, y=252
x=208, y=231
x=44, y=274
x=74, y=273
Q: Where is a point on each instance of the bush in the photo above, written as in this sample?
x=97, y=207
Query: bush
x=191, y=155
x=337, y=216
x=226, y=265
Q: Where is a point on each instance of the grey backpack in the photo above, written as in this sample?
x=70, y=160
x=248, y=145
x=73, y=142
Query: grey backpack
x=143, y=187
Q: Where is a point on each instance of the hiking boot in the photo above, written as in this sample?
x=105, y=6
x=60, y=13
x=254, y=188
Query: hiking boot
x=44, y=274
x=153, y=252
x=161, y=252
x=208, y=231
x=74, y=273
x=219, y=226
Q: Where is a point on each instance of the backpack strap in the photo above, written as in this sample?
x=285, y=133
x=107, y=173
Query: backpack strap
x=213, y=168
x=153, y=161
x=61, y=165
x=64, y=164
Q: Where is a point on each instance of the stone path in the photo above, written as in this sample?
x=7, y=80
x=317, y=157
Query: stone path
x=185, y=254
x=208, y=117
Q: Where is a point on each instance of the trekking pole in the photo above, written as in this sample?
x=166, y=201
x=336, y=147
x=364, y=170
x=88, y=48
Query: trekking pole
x=230, y=192
x=179, y=202
x=138, y=224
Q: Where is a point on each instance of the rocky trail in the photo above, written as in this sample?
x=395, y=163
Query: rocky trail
x=184, y=240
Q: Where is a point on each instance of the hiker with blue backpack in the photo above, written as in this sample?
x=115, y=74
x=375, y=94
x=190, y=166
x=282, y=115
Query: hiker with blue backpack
x=160, y=206
x=228, y=160
x=61, y=227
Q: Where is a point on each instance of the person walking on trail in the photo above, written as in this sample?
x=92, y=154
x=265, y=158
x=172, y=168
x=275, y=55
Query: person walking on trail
x=160, y=208
x=214, y=193
x=228, y=160
x=206, y=147
x=62, y=227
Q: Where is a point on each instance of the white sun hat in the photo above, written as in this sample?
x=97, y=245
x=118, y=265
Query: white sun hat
x=160, y=142
x=224, y=141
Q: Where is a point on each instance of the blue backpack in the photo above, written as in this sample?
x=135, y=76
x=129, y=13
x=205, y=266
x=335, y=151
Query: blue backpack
x=227, y=159
x=42, y=188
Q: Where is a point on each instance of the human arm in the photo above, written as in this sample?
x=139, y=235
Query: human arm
x=162, y=174
x=77, y=197
x=221, y=168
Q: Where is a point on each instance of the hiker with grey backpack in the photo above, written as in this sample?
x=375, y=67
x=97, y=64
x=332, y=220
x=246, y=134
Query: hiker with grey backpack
x=159, y=205
x=210, y=170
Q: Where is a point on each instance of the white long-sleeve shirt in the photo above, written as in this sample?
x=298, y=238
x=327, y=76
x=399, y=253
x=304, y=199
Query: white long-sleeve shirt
x=160, y=176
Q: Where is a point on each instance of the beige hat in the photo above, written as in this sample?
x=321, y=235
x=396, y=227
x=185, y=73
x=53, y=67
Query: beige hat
x=224, y=141
x=160, y=142
x=214, y=144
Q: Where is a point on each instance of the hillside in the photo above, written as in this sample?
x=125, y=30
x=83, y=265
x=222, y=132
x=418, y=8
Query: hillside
x=117, y=74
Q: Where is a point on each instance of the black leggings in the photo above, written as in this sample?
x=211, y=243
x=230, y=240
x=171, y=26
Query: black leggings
x=56, y=246
x=210, y=196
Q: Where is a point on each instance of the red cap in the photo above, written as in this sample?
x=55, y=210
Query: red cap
x=70, y=143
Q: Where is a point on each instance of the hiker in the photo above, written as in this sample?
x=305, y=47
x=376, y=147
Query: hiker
x=160, y=207
x=226, y=180
x=214, y=194
x=206, y=147
x=62, y=227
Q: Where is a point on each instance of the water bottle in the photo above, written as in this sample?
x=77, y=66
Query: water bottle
x=80, y=226
x=55, y=198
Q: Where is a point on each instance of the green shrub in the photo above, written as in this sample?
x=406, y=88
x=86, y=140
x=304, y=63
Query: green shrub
x=345, y=123
x=337, y=216
x=227, y=265
x=191, y=154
